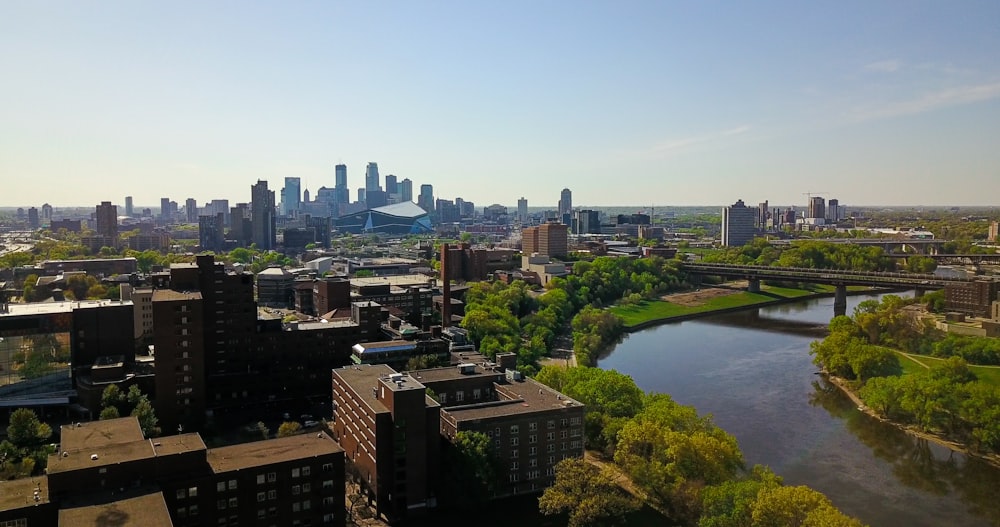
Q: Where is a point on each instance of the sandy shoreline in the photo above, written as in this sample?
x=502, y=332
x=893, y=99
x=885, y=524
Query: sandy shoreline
x=992, y=459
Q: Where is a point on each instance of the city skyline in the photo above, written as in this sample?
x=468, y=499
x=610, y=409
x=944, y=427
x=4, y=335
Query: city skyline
x=887, y=104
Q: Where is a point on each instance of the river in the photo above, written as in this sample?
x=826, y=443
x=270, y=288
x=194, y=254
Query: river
x=752, y=371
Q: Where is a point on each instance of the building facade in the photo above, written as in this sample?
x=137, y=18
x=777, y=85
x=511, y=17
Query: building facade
x=737, y=225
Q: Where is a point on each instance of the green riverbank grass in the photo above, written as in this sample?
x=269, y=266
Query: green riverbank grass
x=648, y=310
x=915, y=363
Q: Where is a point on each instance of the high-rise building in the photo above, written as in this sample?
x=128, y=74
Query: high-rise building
x=211, y=232
x=817, y=207
x=191, y=210
x=586, y=222
x=262, y=219
x=107, y=220
x=341, y=192
x=46, y=214
x=763, y=214
x=128, y=206
x=406, y=190
x=565, y=203
x=522, y=210
x=737, y=225
x=164, y=208
x=833, y=212
x=291, y=196
x=33, y=220
x=216, y=206
x=305, y=196
x=447, y=211
x=994, y=231
x=371, y=177
x=553, y=239
x=426, y=198
x=391, y=186
x=239, y=224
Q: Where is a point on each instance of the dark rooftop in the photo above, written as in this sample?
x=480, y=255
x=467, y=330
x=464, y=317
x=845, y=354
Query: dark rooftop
x=261, y=453
x=79, y=436
x=17, y=493
x=161, y=295
x=149, y=510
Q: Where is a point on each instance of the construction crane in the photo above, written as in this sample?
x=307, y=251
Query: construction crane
x=809, y=195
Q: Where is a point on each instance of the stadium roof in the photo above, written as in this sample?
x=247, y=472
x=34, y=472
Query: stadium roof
x=405, y=209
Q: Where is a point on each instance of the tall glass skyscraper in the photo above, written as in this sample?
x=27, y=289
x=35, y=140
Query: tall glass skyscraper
x=371, y=177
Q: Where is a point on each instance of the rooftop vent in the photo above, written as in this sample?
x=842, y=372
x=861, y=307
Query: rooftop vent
x=93, y=457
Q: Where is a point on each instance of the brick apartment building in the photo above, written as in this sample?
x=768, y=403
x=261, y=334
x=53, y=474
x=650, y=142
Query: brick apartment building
x=393, y=432
x=106, y=471
x=547, y=239
x=973, y=298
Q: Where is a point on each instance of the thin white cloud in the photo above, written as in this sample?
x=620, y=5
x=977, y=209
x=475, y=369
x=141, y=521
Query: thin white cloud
x=676, y=145
x=885, y=66
x=931, y=101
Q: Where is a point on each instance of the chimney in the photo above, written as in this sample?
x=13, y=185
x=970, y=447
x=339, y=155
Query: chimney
x=445, y=287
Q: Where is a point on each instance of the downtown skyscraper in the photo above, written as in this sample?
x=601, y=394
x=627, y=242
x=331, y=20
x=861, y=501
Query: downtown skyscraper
x=291, y=196
x=341, y=192
x=371, y=177
x=262, y=219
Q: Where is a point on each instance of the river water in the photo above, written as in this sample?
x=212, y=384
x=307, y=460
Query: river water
x=752, y=371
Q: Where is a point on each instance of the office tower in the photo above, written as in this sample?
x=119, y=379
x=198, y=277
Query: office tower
x=833, y=212
x=291, y=196
x=107, y=220
x=46, y=214
x=391, y=186
x=164, y=208
x=341, y=192
x=361, y=195
x=216, y=206
x=763, y=214
x=522, y=210
x=817, y=207
x=371, y=177
x=305, y=196
x=211, y=230
x=128, y=206
x=426, y=198
x=239, y=224
x=406, y=190
x=565, y=202
x=262, y=219
x=586, y=222
x=737, y=225
x=191, y=210
x=447, y=211
x=553, y=239
x=994, y=231
x=33, y=221
x=20, y=214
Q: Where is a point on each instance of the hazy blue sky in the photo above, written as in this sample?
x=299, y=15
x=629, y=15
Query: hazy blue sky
x=665, y=103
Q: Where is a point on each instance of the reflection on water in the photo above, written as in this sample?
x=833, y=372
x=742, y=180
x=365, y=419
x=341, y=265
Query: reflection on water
x=753, y=372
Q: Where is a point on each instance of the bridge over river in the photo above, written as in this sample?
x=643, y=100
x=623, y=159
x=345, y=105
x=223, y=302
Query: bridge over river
x=840, y=279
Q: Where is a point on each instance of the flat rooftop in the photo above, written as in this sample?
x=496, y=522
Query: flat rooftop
x=517, y=397
x=96, y=434
x=406, y=280
x=262, y=453
x=17, y=493
x=451, y=373
x=52, y=308
x=67, y=460
x=387, y=345
x=165, y=295
x=149, y=510
x=179, y=444
x=362, y=379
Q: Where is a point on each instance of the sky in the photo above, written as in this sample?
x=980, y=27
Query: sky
x=626, y=103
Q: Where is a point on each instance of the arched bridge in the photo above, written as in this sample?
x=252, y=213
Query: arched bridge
x=841, y=279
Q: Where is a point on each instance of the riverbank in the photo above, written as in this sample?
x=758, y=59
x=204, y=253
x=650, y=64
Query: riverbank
x=842, y=385
x=713, y=301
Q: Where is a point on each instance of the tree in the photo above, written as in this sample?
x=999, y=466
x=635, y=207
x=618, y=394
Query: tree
x=731, y=503
x=589, y=494
x=797, y=506
x=115, y=404
x=289, y=428
x=472, y=467
x=26, y=431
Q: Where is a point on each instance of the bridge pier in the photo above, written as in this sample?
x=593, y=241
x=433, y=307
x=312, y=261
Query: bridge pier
x=753, y=285
x=919, y=292
x=840, y=301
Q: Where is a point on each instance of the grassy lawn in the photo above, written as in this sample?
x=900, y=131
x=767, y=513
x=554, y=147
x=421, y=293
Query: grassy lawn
x=911, y=365
x=656, y=310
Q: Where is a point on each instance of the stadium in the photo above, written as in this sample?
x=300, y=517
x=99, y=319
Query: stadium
x=399, y=218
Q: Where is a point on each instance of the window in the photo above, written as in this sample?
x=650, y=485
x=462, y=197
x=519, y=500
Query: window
x=328, y=500
x=513, y=465
x=459, y=396
x=576, y=444
x=550, y=436
x=221, y=504
x=295, y=472
x=272, y=494
x=296, y=490
x=306, y=488
x=444, y=397
x=514, y=441
x=260, y=479
x=563, y=445
x=181, y=494
x=513, y=477
x=532, y=462
x=532, y=451
x=574, y=421
x=532, y=427
x=181, y=513
x=476, y=393
x=550, y=424
x=261, y=496
x=327, y=467
x=193, y=492
x=296, y=507
x=193, y=509
x=514, y=429
x=306, y=505
x=563, y=423
x=233, y=503
x=533, y=438
x=271, y=477
x=306, y=471
x=550, y=448
x=564, y=434
x=232, y=484
x=220, y=486
x=261, y=513
x=513, y=453
x=550, y=471
x=328, y=484
x=552, y=460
